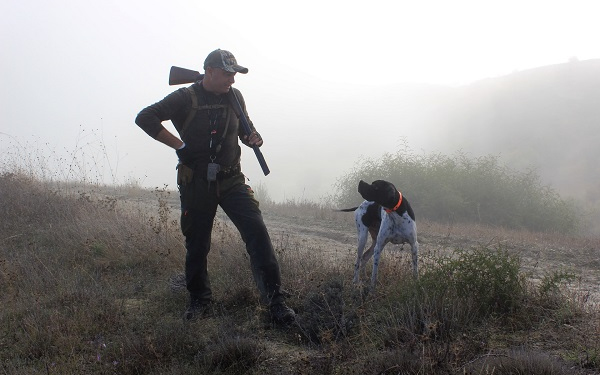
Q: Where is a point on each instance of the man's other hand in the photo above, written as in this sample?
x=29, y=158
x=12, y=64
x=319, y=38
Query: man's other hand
x=254, y=140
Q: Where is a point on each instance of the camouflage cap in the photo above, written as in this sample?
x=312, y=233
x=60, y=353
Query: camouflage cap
x=225, y=60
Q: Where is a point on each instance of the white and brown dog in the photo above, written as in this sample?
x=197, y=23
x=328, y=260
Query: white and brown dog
x=387, y=216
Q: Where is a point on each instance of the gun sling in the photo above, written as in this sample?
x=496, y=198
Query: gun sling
x=194, y=108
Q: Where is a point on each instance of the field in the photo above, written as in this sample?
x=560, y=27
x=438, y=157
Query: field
x=334, y=233
x=91, y=281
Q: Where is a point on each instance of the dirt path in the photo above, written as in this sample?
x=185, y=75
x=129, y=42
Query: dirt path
x=335, y=233
x=540, y=254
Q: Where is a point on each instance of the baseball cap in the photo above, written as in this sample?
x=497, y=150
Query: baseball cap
x=225, y=60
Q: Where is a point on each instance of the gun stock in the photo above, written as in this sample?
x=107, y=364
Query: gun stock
x=179, y=76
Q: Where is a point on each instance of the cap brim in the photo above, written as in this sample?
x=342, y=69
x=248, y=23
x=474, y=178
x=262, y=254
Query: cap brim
x=236, y=69
x=240, y=69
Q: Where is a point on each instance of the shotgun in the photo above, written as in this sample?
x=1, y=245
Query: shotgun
x=179, y=76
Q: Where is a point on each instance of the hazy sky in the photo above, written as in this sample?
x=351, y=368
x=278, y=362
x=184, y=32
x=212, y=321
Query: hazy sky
x=74, y=74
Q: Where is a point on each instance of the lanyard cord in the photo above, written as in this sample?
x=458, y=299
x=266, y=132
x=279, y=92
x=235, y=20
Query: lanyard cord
x=213, y=123
x=212, y=126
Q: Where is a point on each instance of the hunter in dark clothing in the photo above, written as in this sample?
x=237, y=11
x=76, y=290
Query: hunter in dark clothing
x=209, y=174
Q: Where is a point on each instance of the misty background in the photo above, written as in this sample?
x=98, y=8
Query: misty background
x=329, y=83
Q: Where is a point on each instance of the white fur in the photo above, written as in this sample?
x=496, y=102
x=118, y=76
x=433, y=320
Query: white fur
x=395, y=228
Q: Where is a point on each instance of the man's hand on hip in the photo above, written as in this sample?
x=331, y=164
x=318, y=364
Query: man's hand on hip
x=185, y=153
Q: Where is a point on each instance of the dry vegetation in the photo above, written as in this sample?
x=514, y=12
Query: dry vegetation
x=91, y=285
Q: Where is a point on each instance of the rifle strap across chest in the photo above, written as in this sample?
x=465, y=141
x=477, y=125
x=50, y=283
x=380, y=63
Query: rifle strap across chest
x=194, y=108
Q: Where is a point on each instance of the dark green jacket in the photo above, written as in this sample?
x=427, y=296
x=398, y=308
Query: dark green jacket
x=206, y=124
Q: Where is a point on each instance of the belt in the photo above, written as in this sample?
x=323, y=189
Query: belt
x=229, y=172
x=223, y=174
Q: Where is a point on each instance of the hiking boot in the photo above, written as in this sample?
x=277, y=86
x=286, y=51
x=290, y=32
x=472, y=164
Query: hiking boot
x=197, y=310
x=281, y=313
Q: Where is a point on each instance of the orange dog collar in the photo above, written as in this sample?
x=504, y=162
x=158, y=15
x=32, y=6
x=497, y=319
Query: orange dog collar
x=390, y=210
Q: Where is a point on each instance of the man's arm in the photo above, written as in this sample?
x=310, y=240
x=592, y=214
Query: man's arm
x=166, y=137
x=172, y=107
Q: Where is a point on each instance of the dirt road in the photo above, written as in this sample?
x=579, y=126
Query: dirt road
x=335, y=233
x=541, y=254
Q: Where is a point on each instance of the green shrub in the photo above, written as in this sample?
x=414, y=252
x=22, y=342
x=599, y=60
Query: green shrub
x=488, y=278
x=464, y=287
x=462, y=189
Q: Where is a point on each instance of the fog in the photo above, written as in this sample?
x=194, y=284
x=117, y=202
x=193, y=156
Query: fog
x=330, y=83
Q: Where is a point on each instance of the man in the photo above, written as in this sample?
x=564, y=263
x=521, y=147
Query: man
x=209, y=174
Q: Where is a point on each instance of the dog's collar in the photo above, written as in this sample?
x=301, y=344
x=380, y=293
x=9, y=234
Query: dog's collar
x=390, y=210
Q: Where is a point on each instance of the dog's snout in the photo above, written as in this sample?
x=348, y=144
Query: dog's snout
x=363, y=188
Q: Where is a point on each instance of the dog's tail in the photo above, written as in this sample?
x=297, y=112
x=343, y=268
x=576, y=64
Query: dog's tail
x=347, y=209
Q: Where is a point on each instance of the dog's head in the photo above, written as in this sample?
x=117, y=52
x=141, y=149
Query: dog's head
x=380, y=191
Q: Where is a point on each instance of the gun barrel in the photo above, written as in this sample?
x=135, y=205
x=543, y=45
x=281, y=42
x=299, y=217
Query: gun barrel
x=179, y=76
x=246, y=126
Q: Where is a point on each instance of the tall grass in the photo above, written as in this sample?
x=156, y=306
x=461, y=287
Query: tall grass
x=91, y=285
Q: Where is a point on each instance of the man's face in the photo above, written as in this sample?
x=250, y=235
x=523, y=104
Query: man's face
x=219, y=81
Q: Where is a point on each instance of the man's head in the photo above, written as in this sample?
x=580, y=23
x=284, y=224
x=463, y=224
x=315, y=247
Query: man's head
x=220, y=68
x=225, y=60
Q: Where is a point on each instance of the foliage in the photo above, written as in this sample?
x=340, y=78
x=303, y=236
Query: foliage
x=487, y=279
x=462, y=189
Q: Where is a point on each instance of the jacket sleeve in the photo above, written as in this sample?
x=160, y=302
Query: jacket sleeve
x=173, y=107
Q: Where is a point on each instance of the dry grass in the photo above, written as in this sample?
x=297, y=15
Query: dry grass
x=90, y=286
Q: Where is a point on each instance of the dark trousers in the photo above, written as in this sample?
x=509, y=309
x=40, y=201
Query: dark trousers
x=198, y=208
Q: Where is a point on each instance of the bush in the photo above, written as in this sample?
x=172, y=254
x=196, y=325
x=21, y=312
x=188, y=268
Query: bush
x=487, y=279
x=454, y=293
x=462, y=189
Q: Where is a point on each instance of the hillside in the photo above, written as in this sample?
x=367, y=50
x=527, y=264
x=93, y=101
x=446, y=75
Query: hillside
x=545, y=118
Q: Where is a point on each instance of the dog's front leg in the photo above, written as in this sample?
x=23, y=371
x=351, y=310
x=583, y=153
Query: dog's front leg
x=414, y=247
x=376, y=256
x=374, y=232
x=362, y=242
